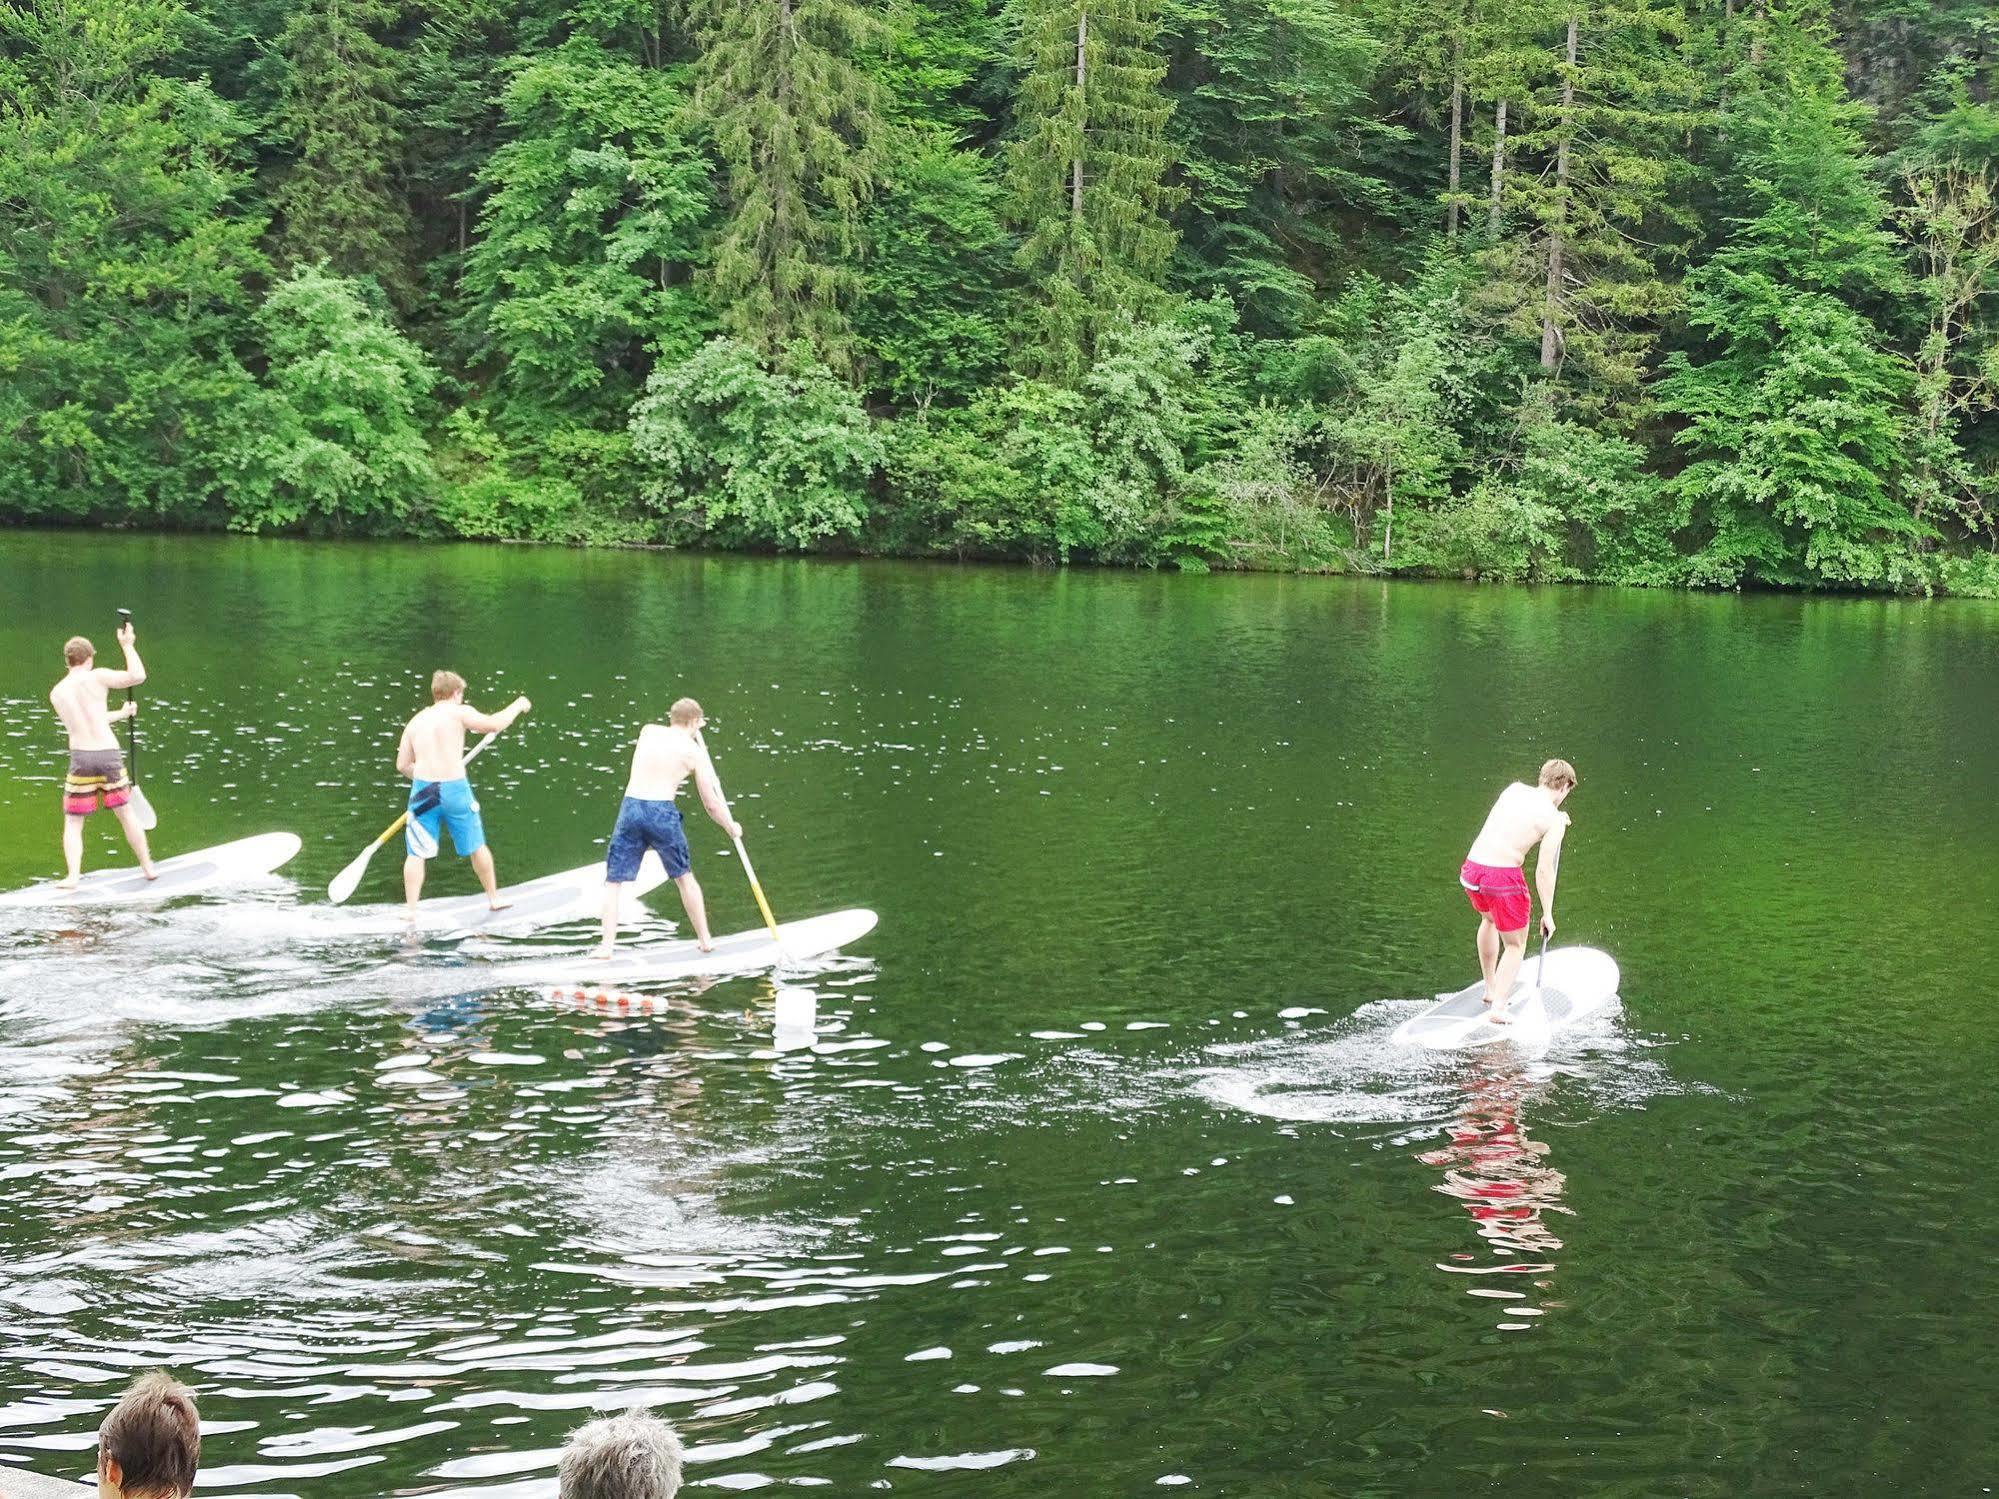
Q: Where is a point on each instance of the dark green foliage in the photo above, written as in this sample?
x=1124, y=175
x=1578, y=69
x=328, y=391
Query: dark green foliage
x=593, y=207
x=1707, y=295
x=339, y=121
x=126, y=268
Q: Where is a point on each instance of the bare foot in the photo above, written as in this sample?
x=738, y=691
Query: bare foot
x=69, y=882
x=1500, y=1017
x=498, y=905
x=601, y=951
x=149, y=872
x=705, y=945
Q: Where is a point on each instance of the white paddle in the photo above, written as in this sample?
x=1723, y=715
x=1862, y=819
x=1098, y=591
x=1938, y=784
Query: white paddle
x=344, y=882
x=142, y=809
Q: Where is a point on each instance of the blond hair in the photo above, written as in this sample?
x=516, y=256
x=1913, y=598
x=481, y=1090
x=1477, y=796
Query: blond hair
x=76, y=650
x=684, y=712
x=1557, y=774
x=443, y=684
x=154, y=1435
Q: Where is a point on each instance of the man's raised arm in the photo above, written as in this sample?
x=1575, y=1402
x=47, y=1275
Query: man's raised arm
x=493, y=723
x=135, y=670
x=710, y=786
x=1544, y=872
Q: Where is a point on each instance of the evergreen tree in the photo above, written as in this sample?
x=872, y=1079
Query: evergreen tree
x=1586, y=263
x=1270, y=108
x=1793, y=409
x=339, y=198
x=796, y=119
x=1086, y=174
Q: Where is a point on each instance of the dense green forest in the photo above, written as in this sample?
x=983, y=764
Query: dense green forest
x=1696, y=292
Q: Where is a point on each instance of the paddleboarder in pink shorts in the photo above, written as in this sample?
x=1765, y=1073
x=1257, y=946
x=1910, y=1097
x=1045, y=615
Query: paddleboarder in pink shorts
x=1493, y=882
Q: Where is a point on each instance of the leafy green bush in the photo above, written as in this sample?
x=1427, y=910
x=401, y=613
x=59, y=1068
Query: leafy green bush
x=740, y=455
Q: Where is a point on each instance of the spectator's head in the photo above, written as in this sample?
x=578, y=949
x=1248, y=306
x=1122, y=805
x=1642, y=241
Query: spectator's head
x=633, y=1456
x=150, y=1444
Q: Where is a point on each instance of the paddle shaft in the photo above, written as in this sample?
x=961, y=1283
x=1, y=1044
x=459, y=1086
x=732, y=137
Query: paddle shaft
x=1541, y=965
x=757, y=890
x=132, y=722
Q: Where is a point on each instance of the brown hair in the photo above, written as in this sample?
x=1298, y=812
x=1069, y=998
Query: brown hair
x=1558, y=773
x=154, y=1435
x=76, y=650
x=443, y=684
x=684, y=712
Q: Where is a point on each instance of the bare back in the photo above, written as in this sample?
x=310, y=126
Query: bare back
x=662, y=761
x=81, y=701
x=435, y=740
x=1521, y=818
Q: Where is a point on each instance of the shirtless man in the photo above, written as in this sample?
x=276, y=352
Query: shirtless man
x=1523, y=816
x=432, y=755
x=665, y=756
x=96, y=768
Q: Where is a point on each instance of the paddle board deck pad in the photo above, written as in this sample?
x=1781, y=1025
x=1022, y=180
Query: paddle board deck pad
x=183, y=874
x=574, y=895
x=1577, y=982
x=741, y=952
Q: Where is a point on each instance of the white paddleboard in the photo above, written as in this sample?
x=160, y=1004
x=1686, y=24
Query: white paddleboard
x=741, y=952
x=1578, y=981
x=183, y=874
x=573, y=895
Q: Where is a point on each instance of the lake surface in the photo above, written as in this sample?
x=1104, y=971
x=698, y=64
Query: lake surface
x=1102, y=1175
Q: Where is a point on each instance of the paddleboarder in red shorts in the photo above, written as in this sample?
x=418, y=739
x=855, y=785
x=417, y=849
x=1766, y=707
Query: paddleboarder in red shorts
x=1493, y=882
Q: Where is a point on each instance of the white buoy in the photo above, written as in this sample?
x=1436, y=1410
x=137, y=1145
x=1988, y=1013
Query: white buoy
x=797, y=1010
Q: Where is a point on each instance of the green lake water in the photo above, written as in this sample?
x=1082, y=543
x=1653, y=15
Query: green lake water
x=1102, y=1176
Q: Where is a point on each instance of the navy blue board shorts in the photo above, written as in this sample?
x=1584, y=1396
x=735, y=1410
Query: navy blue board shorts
x=646, y=825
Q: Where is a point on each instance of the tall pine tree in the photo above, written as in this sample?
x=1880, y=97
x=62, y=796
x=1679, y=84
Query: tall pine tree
x=784, y=90
x=1794, y=408
x=1086, y=174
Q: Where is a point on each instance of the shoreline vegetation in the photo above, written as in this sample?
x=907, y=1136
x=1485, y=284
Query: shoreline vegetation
x=1667, y=294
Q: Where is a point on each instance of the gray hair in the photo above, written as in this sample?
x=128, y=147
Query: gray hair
x=633, y=1456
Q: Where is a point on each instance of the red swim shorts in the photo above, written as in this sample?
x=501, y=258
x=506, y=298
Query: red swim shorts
x=1498, y=892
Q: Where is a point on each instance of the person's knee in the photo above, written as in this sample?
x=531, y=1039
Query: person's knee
x=1515, y=941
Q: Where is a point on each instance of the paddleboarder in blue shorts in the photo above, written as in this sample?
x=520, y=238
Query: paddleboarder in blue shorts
x=665, y=756
x=432, y=755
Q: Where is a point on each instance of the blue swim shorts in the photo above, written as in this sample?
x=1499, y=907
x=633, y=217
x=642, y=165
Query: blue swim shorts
x=449, y=804
x=646, y=825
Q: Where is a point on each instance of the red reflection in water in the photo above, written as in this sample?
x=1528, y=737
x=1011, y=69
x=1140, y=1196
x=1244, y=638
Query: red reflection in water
x=1501, y=1177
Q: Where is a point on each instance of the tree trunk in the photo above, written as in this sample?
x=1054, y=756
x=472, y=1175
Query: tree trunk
x=1457, y=141
x=1076, y=170
x=1498, y=166
x=1756, y=32
x=1551, y=340
x=1388, y=516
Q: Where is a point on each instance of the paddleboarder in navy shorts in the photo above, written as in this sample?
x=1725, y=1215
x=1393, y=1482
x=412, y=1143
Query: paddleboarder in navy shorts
x=665, y=756
x=1492, y=879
